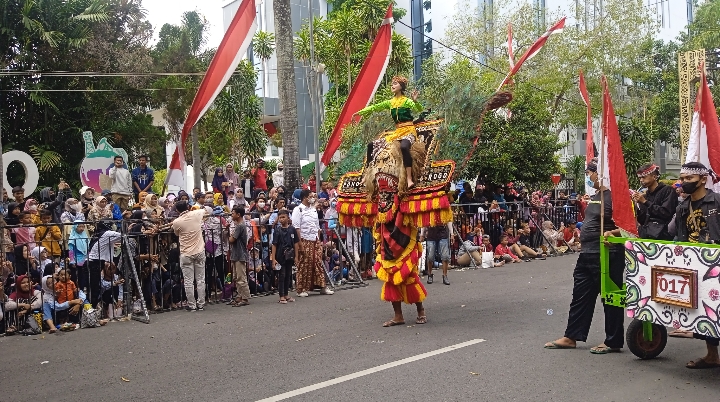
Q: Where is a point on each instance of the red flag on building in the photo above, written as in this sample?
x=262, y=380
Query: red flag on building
x=589, y=145
x=232, y=49
x=367, y=82
x=704, y=143
x=613, y=173
x=534, y=49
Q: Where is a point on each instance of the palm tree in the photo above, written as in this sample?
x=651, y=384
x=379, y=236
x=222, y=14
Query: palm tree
x=264, y=47
x=371, y=13
x=346, y=30
x=287, y=92
x=401, y=60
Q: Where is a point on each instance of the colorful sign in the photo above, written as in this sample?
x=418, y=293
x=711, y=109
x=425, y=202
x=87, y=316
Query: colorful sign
x=95, y=168
x=674, y=284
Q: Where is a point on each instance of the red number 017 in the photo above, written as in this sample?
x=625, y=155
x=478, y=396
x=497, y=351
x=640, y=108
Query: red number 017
x=664, y=284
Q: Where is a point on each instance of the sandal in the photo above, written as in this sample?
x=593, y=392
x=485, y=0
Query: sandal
x=554, y=345
x=603, y=350
x=393, y=323
x=701, y=364
x=421, y=320
x=289, y=300
x=282, y=301
x=241, y=304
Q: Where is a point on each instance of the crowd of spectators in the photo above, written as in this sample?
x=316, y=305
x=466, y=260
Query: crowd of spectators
x=64, y=251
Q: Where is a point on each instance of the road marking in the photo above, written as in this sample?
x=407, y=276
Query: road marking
x=369, y=371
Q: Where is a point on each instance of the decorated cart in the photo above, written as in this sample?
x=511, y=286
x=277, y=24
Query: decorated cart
x=667, y=284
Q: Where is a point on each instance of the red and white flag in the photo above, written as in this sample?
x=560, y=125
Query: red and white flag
x=589, y=145
x=232, y=49
x=367, y=82
x=533, y=50
x=704, y=143
x=612, y=170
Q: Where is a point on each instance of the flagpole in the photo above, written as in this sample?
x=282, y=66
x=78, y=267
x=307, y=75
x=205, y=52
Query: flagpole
x=603, y=130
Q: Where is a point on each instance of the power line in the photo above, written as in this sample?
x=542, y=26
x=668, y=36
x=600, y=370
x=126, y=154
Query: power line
x=489, y=67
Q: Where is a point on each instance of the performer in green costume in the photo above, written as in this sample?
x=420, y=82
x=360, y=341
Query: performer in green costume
x=401, y=108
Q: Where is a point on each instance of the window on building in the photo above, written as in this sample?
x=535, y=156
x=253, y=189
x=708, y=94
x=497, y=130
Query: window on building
x=274, y=151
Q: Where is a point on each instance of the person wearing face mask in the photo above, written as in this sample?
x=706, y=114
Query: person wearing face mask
x=310, y=271
x=655, y=206
x=697, y=221
x=586, y=276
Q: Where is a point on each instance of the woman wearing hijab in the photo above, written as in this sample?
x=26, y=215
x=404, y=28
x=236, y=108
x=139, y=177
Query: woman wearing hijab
x=22, y=301
x=101, y=210
x=219, y=184
x=151, y=206
x=13, y=212
x=24, y=262
x=164, y=204
x=78, y=243
x=40, y=254
x=141, y=197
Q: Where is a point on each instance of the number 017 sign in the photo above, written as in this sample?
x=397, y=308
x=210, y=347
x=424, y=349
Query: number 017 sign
x=674, y=286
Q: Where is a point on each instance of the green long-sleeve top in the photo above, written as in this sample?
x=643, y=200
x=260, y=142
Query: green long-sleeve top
x=401, y=109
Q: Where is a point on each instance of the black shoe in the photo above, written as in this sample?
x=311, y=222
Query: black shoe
x=446, y=281
x=188, y=308
x=200, y=308
x=430, y=279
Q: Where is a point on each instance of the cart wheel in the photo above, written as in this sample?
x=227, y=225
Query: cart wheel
x=642, y=348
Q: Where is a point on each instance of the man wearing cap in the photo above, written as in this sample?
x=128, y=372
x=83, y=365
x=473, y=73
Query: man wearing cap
x=278, y=177
x=122, y=183
x=586, y=276
x=697, y=221
x=655, y=204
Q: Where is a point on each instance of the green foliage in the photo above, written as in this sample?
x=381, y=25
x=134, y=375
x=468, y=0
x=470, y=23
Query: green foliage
x=638, y=145
x=575, y=167
x=263, y=45
x=159, y=184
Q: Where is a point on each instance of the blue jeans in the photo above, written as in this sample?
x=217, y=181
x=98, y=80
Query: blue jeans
x=441, y=244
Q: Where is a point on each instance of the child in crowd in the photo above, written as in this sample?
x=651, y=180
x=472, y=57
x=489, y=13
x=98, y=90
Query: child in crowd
x=49, y=236
x=504, y=251
x=525, y=243
x=68, y=296
x=25, y=234
x=111, y=289
x=256, y=271
x=469, y=249
x=31, y=207
x=486, y=247
x=40, y=255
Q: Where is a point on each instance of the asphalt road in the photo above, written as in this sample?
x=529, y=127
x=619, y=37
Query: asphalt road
x=267, y=349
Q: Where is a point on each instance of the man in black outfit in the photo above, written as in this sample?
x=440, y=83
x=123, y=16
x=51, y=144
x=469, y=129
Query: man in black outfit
x=656, y=206
x=697, y=221
x=586, y=286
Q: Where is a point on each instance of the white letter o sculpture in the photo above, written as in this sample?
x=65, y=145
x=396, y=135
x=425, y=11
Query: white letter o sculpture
x=32, y=175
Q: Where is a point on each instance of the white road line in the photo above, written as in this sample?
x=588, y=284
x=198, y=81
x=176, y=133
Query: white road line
x=369, y=371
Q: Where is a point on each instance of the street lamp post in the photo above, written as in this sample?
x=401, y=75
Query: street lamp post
x=313, y=91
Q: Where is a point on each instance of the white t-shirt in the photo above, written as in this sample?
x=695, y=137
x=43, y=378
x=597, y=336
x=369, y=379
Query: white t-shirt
x=305, y=219
x=103, y=248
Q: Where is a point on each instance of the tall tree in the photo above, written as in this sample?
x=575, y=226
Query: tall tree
x=287, y=92
x=263, y=45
